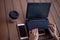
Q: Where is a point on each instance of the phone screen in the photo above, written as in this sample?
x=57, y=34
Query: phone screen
x=22, y=31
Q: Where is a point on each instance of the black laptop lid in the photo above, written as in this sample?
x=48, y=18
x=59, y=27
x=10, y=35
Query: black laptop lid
x=37, y=10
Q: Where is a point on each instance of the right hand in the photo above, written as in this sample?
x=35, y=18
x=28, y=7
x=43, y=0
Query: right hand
x=52, y=31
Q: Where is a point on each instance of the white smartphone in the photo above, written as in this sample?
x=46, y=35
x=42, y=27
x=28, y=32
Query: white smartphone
x=22, y=31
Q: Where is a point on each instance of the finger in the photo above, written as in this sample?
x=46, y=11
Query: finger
x=30, y=34
x=35, y=31
x=54, y=25
x=51, y=26
x=52, y=34
x=52, y=29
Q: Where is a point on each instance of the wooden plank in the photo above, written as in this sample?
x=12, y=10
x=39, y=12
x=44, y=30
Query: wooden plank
x=30, y=0
x=18, y=8
x=53, y=20
x=55, y=17
x=48, y=1
x=37, y=1
x=57, y=8
x=43, y=1
x=24, y=7
x=3, y=23
x=11, y=26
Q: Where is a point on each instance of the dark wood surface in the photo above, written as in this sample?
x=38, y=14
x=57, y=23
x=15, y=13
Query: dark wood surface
x=8, y=31
x=3, y=23
x=11, y=26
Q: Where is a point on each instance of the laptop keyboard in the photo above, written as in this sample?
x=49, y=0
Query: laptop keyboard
x=40, y=24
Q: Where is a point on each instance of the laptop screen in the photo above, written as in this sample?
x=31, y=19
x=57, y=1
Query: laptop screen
x=37, y=10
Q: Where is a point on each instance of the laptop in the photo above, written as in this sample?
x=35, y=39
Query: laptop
x=37, y=16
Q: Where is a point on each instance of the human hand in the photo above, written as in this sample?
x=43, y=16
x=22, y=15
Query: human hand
x=52, y=31
x=33, y=35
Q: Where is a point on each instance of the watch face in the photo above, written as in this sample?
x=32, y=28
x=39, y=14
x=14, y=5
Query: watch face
x=37, y=10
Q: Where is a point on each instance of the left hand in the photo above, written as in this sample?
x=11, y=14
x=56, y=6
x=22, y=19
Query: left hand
x=34, y=34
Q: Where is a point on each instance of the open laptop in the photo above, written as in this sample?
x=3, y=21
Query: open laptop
x=37, y=16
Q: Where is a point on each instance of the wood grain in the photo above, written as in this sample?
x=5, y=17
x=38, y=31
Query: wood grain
x=43, y=1
x=18, y=8
x=8, y=31
x=53, y=20
x=11, y=26
x=57, y=8
x=53, y=11
x=24, y=8
x=30, y=0
x=37, y=1
x=3, y=23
